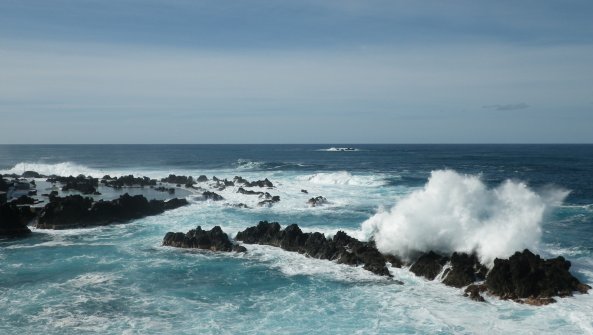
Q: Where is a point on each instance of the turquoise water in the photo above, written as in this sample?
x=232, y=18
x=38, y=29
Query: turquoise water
x=119, y=279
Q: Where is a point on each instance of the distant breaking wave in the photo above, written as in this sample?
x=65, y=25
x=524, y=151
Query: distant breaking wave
x=343, y=178
x=457, y=212
x=64, y=169
x=339, y=149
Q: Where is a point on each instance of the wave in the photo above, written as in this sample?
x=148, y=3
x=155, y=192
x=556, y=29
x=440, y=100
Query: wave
x=64, y=169
x=339, y=149
x=456, y=212
x=343, y=178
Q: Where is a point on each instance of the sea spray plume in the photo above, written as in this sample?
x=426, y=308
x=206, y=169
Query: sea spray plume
x=456, y=212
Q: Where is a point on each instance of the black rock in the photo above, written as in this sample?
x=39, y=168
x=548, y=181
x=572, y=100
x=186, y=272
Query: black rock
x=202, y=178
x=75, y=211
x=31, y=174
x=317, y=201
x=128, y=181
x=23, y=200
x=14, y=219
x=214, y=239
x=179, y=180
x=428, y=265
x=305, y=191
x=526, y=275
x=211, y=196
x=260, y=183
x=465, y=269
x=240, y=180
x=3, y=184
x=473, y=292
x=341, y=248
x=81, y=183
x=248, y=192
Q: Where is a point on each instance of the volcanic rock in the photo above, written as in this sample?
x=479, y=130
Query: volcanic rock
x=214, y=239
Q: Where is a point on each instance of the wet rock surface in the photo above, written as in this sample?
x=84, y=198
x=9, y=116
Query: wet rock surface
x=76, y=211
x=341, y=248
x=214, y=240
x=14, y=220
x=526, y=275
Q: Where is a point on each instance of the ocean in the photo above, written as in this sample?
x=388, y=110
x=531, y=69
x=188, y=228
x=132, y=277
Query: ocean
x=119, y=279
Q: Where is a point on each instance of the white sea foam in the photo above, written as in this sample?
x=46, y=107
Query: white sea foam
x=456, y=212
x=343, y=178
x=60, y=169
x=339, y=149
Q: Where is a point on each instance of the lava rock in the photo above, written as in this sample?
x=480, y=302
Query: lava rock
x=526, y=275
x=75, y=211
x=465, y=269
x=211, y=196
x=202, y=178
x=31, y=174
x=473, y=292
x=128, y=181
x=81, y=183
x=341, y=248
x=214, y=239
x=428, y=265
x=14, y=220
x=317, y=201
x=23, y=200
x=248, y=192
x=179, y=180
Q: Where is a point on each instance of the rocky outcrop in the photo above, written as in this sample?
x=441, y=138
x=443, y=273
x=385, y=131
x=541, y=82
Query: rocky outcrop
x=249, y=192
x=23, y=200
x=76, y=211
x=83, y=184
x=527, y=276
x=211, y=196
x=341, y=248
x=270, y=201
x=31, y=174
x=428, y=265
x=202, y=178
x=14, y=220
x=179, y=180
x=214, y=239
x=128, y=181
x=317, y=201
x=465, y=269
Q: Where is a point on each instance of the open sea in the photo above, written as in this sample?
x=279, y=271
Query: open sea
x=118, y=279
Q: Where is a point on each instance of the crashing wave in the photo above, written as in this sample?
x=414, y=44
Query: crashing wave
x=343, y=178
x=63, y=169
x=339, y=149
x=456, y=212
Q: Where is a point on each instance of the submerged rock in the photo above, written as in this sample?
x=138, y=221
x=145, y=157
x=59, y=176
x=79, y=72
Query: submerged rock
x=214, y=239
x=341, y=248
x=317, y=201
x=526, y=275
x=212, y=196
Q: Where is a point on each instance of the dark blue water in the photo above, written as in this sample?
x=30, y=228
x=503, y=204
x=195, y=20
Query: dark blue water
x=118, y=279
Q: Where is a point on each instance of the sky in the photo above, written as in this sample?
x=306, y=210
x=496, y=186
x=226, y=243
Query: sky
x=306, y=71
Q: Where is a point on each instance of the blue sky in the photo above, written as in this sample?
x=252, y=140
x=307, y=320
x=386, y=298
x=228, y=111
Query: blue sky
x=175, y=71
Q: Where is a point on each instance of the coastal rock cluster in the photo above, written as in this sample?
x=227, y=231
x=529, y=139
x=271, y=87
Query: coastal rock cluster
x=76, y=211
x=214, y=239
x=524, y=277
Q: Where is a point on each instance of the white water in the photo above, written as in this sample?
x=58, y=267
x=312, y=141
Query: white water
x=455, y=212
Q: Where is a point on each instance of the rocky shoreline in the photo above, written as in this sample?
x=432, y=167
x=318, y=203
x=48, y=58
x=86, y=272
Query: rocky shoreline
x=524, y=277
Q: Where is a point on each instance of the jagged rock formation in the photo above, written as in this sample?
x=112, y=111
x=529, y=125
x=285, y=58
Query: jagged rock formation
x=14, y=219
x=214, y=239
x=76, y=211
x=341, y=248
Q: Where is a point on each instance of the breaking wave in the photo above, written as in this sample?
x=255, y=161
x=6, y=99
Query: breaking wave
x=344, y=178
x=457, y=212
x=59, y=169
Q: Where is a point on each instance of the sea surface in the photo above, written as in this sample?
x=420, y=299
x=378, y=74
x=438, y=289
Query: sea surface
x=118, y=279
